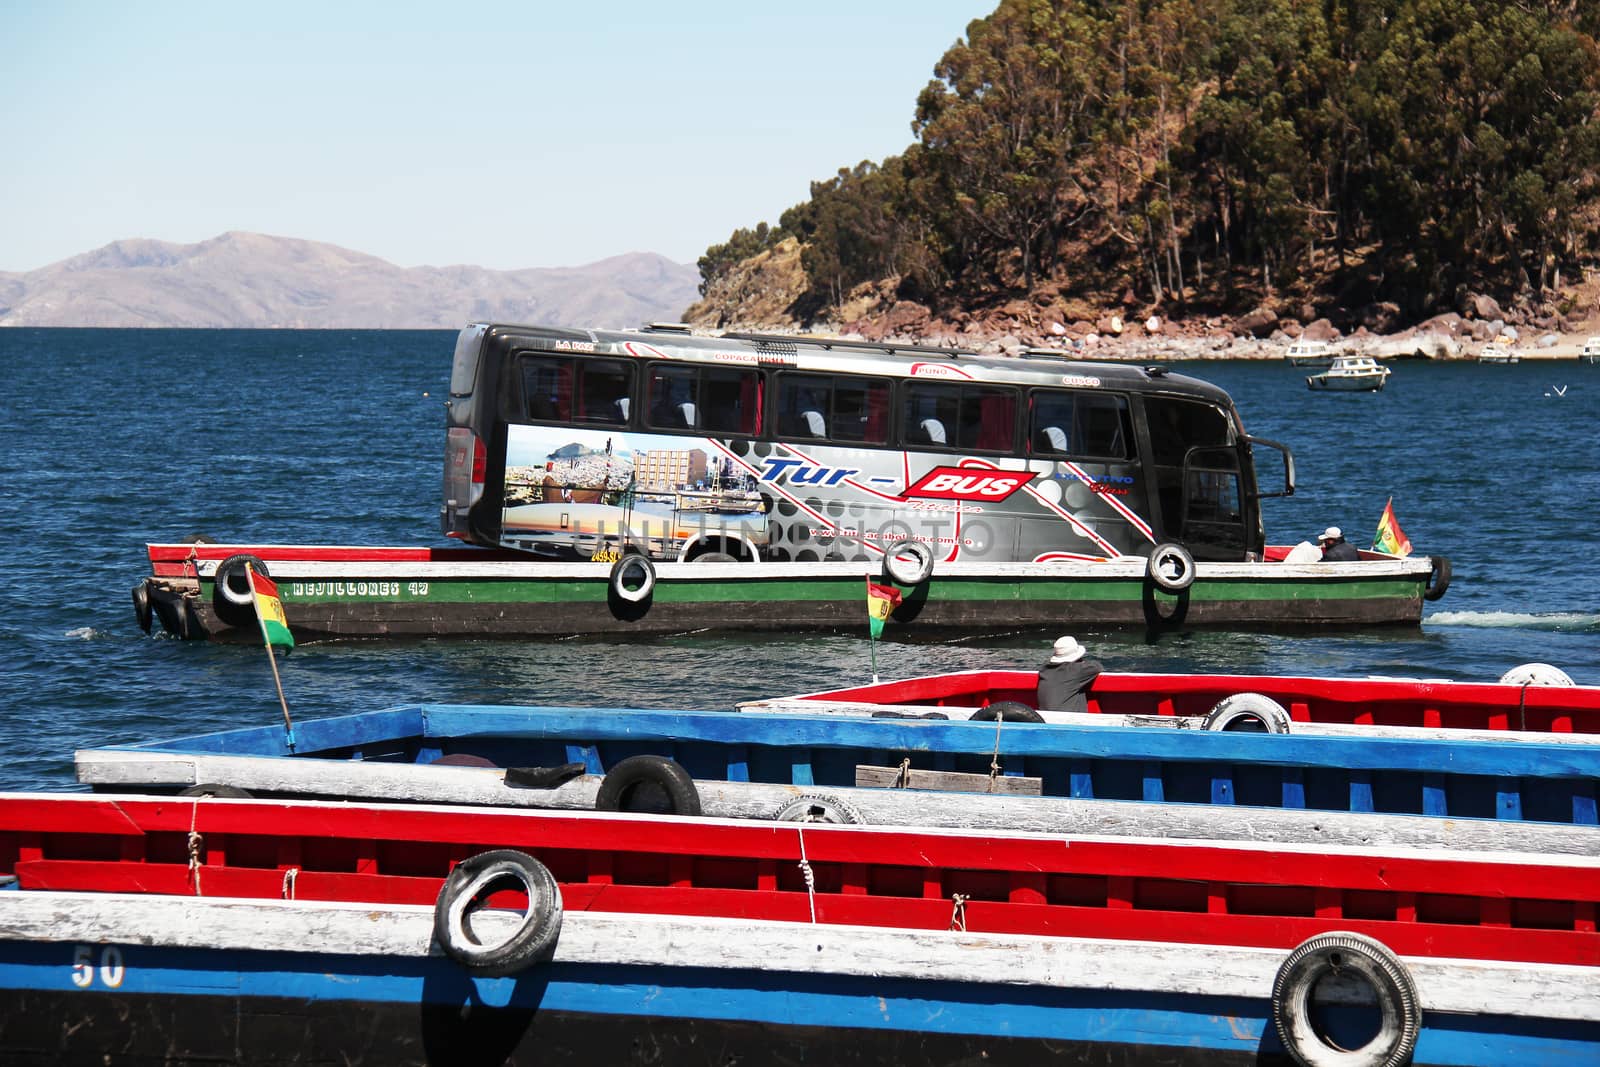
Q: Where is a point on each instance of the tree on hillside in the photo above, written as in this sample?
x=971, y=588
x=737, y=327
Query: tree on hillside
x=1481, y=121
x=1003, y=127
x=743, y=244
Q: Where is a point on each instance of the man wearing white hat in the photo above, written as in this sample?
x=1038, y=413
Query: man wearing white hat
x=1065, y=680
x=1335, y=549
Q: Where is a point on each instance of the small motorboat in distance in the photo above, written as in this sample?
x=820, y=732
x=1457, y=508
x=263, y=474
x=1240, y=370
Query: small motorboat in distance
x=1591, y=351
x=1305, y=353
x=1351, y=374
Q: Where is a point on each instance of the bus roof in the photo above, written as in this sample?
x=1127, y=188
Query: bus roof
x=819, y=353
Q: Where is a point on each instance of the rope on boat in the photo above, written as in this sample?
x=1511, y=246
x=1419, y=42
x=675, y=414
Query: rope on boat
x=807, y=873
x=903, y=779
x=994, y=760
x=958, y=912
x=195, y=841
x=288, y=882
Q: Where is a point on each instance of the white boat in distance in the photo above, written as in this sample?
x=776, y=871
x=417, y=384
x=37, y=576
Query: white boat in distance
x=1591, y=351
x=1305, y=353
x=1351, y=374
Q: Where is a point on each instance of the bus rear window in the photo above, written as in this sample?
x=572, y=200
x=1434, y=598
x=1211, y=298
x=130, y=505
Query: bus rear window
x=583, y=391
x=716, y=400
x=825, y=407
x=977, y=418
x=1086, y=425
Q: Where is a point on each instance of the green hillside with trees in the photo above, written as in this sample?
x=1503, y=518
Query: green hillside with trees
x=1197, y=157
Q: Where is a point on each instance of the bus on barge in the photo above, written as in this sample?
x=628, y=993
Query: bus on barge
x=661, y=480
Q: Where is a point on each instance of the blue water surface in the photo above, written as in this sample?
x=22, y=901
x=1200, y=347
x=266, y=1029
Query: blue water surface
x=119, y=437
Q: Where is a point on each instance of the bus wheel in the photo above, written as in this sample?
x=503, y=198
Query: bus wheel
x=715, y=557
x=908, y=562
x=1171, y=567
x=633, y=578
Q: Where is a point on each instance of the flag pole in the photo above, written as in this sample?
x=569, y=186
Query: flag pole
x=872, y=638
x=288, y=725
x=266, y=640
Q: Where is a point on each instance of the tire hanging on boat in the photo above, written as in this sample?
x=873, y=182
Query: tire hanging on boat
x=1331, y=955
x=819, y=807
x=1240, y=710
x=216, y=789
x=913, y=571
x=467, y=890
x=632, y=783
x=1438, y=578
x=232, y=584
x=1171, y=567
x=143, y=612
x=1006, y=711
x=622, y=573
x=1536, y=674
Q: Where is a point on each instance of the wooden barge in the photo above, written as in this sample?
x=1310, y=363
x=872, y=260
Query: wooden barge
x=1528, y=702
x=342, y=591
x=1422, y=790
x=243, y=931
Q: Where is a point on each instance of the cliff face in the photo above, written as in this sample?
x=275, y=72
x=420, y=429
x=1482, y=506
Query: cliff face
x=241, y=280
x=756, y=294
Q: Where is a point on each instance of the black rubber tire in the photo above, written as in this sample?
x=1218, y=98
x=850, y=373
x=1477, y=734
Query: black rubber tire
x=533, y=941
x=1006, y=711
x=216, y=789
x=620, y=789
x=1331, y=953
x=625, y=566
x=819, y=807
x=143, y=612
x=232, y=585
x=1170, y=552
x=1235, y=714
x=1438, y=578
x=463, y=759
x=915, y=574
x=543, y=777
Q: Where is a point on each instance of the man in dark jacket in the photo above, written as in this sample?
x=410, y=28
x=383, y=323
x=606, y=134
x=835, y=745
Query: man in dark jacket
x=1335, y=549
x=1064, y=681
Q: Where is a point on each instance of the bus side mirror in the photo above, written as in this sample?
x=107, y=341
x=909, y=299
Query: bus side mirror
x=1288, y=467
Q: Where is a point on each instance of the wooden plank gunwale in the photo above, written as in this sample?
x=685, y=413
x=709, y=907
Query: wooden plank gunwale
x=1470, y=987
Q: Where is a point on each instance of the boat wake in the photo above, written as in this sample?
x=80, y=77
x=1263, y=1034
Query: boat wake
x=1554, y=622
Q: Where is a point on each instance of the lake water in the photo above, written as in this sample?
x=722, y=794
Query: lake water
x=119, y=437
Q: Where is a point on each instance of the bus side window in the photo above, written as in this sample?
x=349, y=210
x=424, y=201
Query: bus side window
x=729, y=401
x=1086, y=425
x=547, y=388
x=604, y=387
x=947, y=415
x=803, y=403
x=670, y=398
x=861, y=411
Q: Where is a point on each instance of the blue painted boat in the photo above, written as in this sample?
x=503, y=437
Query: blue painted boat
x=1525, y=783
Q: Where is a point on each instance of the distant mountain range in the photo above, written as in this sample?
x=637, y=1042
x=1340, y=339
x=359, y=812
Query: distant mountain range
x=240, y=280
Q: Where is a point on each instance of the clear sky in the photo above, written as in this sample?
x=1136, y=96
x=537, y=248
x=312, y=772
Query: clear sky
x=503, y=134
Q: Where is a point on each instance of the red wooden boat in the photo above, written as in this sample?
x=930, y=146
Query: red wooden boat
x=208, y=930
x=1279, y=703
x=1519, y=907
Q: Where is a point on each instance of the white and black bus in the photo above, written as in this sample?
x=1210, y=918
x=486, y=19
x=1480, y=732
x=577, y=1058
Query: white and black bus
x=584, y=444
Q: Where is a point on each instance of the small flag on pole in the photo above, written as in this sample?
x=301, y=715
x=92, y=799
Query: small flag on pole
x=881, y=600
x=274, y=631
x=269, y=610
x=1390, y=538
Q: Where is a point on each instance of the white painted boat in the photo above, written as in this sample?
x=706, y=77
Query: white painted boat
x=1351, y=374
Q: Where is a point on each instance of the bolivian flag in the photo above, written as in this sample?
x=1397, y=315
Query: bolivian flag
x=881, y=600
x=269, y=609
x=1390, y=538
